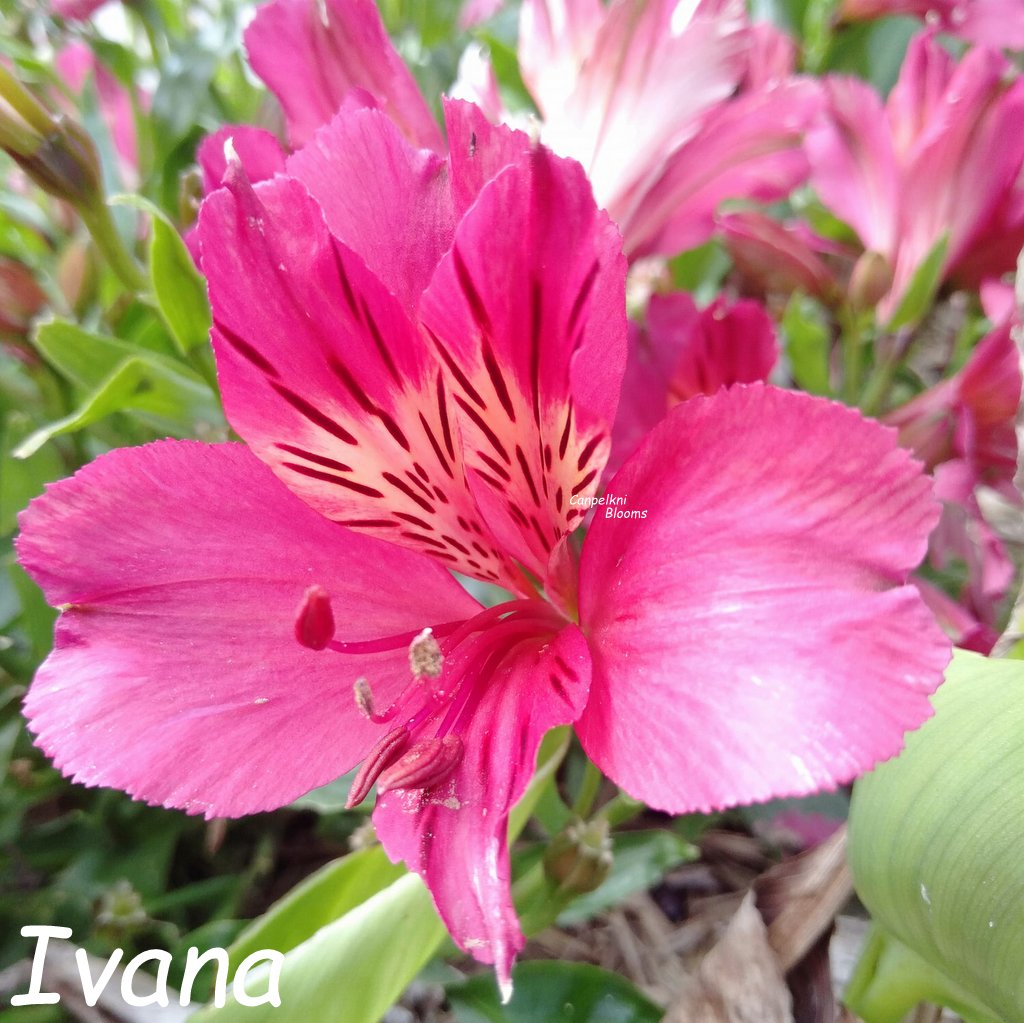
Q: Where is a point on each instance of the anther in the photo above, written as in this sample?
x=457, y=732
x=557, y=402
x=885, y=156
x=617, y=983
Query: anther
x=364, y=697
x=314, y=620
x=427, y=764
x=387, y=750
x=425, y=657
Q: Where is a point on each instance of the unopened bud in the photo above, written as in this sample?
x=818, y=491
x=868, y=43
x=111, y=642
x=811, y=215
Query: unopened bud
x=427, y=764
x=580, y=857
x=314, y=621
x=77, y=274
x=121, y=908
x=870, y=281
x=425, y=657
x=190, y=195
x=21, y=298
x=65, y=164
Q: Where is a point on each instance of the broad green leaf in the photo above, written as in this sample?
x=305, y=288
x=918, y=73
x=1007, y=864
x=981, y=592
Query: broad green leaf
x=920, y=292
x=641, y=860
x=354, y=968
x=935, y=837
x=548, y=991
x=179, y=289
x=87, y=359
x=322, y=898
x=701, y=271
x=808, y=341
x=140, y=385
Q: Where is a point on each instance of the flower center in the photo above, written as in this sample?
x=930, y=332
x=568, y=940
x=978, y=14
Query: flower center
x=451, y=664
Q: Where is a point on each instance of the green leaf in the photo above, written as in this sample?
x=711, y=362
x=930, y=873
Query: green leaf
x=935, y=844
x=322, y=898
x=354, y=968
x=117, y=377
x=179, y=289
x=920, y=293
x=545, y=991
x=138, y=385
x=641, y=860
x=808, y=343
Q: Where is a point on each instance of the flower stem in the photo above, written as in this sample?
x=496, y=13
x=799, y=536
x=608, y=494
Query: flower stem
x=590, y=785
x=24, y=103
x=96, y=217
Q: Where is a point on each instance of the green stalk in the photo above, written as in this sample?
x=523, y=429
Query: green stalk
x=96, y=217
x=24, y=103
x=590, y=785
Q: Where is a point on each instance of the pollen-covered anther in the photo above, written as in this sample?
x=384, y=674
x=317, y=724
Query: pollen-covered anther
x=364, y=697
x=427, y=764
x=385, y=752
x=314, y=620
x=425, y=657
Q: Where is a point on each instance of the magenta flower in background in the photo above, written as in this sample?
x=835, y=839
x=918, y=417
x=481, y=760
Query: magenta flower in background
x=941, y=158
x=997, y=23
x=671, y=107
x=76, y=10
x=424, y=358
x=964, y=430
x=681, y=351
x=319, y=57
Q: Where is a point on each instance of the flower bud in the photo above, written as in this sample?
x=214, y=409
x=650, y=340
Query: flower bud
x=77, y=274
x=870, y=281
x=580, y=857
x=65, y=164
x=21, y=298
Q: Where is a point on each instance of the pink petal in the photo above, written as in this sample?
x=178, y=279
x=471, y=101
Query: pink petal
x=853, y=166
x=771, y=57
x=476, y=11
x=387, y=201
x=313, y=54
x=456, y=835
x=176, y=675
x=259, y=151
x=477, y=83
x=750, y=148
x=957, y=621
x=753, y=636
x=682, y=352
x=328, y=380
x=654, y=69
x=777, y=257
x=479, y=150
x=555, y=38
x=729, y=344
x=533, y=325
x=75, y=10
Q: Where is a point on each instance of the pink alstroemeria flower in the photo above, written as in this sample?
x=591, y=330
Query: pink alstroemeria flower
x=424, y=358
x=996, y=23
x=964, y=429
x=644, y=95
x=318, y=56
x=940, y=159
